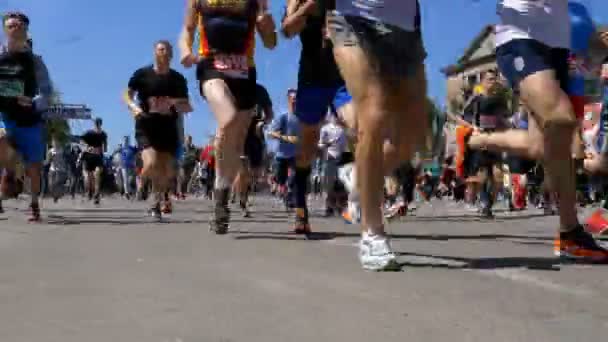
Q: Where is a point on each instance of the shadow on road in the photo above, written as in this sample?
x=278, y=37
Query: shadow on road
x=116, y=221
x=451, y=262
x=469, y=218
x=251, y=235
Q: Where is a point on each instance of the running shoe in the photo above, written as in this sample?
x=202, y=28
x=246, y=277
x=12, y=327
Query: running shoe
x=34, y=213
x=301, y=226
x=167, y=208
x=347, y=175
x=486, y=213
x=352, y=213
x=329, y=212
x=399, y=208
x=155, y=211
x=219, y=224
x=597, y=223
x=376, y=253
x=244, y=209
x=579, y=245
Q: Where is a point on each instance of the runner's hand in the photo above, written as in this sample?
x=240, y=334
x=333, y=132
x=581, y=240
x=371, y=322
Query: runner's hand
x=604, y=74
x=265, y=22
x=309, y=6
x=137, y=111
x=24, y=101
x=290, y=139
x=189, y=60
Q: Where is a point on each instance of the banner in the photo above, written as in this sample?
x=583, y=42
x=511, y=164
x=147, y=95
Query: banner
x=68, y=112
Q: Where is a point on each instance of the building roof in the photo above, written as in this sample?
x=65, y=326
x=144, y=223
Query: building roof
x=465, y=60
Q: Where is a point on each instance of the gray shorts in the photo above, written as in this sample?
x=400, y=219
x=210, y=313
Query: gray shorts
x=393, y=52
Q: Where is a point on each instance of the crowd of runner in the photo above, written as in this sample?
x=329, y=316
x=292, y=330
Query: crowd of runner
x=353, y=129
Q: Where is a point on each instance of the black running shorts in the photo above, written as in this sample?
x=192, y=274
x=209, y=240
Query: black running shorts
x=157, y=131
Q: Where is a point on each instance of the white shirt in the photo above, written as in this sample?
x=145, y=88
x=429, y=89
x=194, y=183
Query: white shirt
x=333, y=138
x=546, y=21
x=57, y=160
x=590, y=138
x=400, y=13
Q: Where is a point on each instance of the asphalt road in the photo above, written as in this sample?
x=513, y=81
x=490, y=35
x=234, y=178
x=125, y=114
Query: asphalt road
x=111, y=274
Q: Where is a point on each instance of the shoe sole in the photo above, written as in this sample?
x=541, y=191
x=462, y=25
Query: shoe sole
x=392, y=266
x=567, y=258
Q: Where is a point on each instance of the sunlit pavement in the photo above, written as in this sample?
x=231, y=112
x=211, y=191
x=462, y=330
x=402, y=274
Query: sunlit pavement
x=113, y=274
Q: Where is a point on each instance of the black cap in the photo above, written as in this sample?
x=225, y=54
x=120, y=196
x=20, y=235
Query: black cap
x=98, y=121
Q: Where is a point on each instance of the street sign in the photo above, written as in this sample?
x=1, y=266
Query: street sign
x=68, y=112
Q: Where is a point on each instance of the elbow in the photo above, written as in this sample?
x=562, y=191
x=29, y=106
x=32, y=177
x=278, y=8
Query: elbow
x=41, y=103
x=288, y=30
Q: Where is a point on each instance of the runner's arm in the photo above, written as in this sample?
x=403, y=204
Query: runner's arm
x=129, y=94
x=45, y=88
x=186, y=39
x=105, y=143
x=295, y=16
x=266, y=104
x=128, y=97
x=266, y=26
x=278, y=131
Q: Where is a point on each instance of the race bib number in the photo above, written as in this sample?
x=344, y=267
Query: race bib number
x=12, y=88
x=159, y=104
x=232, y=65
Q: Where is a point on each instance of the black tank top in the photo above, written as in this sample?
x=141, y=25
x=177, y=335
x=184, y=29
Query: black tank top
x=18, y=78
x=317, y=64
x=228, y=26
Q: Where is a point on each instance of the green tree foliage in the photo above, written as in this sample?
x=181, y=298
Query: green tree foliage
x=57, y=128
x=436, y=118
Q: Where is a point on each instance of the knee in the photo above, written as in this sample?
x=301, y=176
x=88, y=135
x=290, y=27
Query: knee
x=560, y=119
x=537, y=149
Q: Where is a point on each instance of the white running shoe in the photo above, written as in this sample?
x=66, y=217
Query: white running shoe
x=347, y=175
x=376, y=254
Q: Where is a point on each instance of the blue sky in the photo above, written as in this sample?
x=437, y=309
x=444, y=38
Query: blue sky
x=92, y=48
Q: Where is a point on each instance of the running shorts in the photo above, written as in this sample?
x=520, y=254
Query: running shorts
x=243, y=89
x=92, y=161
x=393, y=52
x=313, y=103
x=28, y=141
x=254, y=150
x=158, y=132
x=521, y=58
x=519, y=165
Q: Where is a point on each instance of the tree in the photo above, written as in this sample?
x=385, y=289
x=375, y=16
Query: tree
x=58, y=129
x=436, y=122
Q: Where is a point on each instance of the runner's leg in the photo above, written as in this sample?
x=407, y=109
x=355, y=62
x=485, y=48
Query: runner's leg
x=232, y=123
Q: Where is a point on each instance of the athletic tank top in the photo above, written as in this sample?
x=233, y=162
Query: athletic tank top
x=317, y=64
x=400, y=13
x=18, y=78
x=227, y=27
x=546, y=21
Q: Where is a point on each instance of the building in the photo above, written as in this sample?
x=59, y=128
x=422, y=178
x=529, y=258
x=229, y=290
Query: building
x=480, y=56
x=462, y=76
